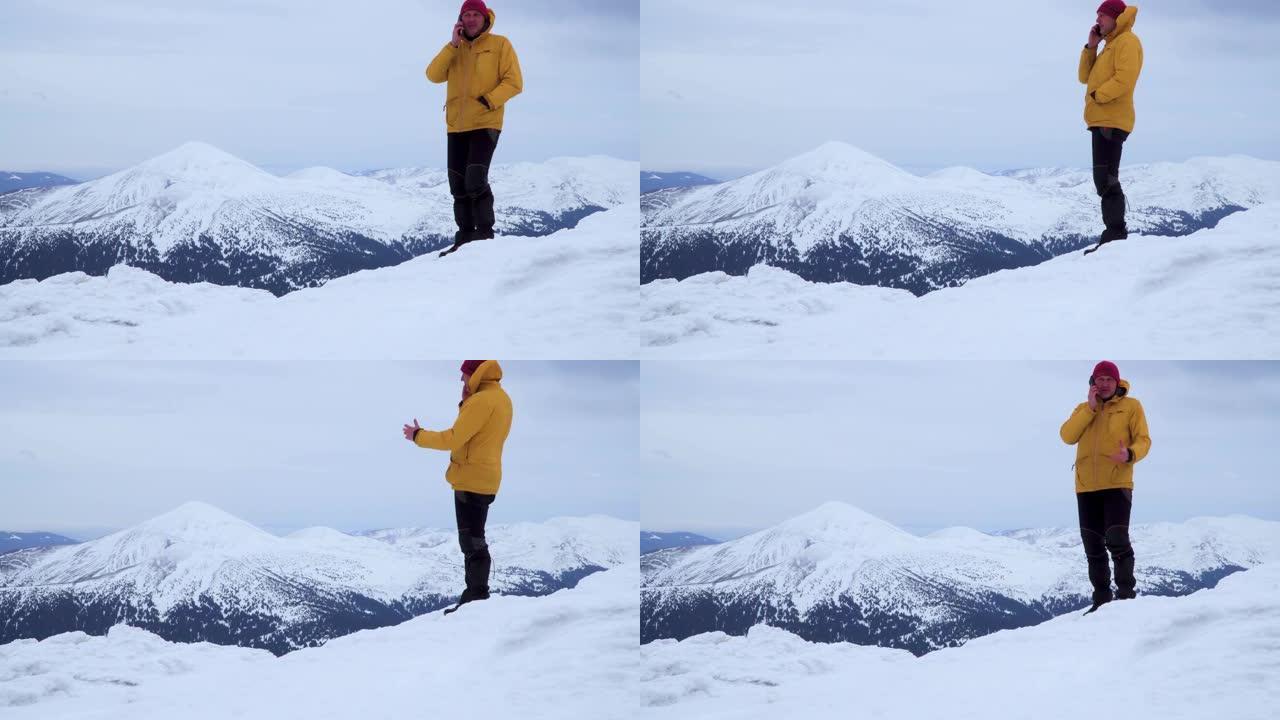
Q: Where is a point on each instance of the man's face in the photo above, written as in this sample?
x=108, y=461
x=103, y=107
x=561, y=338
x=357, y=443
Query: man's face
x=1106, y=385
x=472, y=22
x=1106, y=24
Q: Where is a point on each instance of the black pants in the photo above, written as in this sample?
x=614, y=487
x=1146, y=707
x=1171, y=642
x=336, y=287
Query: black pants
x=472, y=510
x=1107, y=146
x=1104, y=527
x=469, y=156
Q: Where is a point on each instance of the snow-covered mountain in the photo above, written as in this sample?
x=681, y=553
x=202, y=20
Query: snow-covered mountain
x=199, y=574
x=10, y=181
x=651, y=180
x=1211, y=654
x=567, y=656
x=569, y=294
x=1211, y=294
x=839, y=214
x=199, y=214
x=838, y=574
x=10, y=541
x=651, y=541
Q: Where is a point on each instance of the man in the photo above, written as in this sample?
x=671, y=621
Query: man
x=475, y=464
x=1109, y=79
x=483, y=74
x=1109, y=431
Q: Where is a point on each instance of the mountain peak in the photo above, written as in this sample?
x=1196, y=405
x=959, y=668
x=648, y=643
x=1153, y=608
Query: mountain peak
x=841, y=163
x=840, y=519
x=198, y=520
x=195, y=159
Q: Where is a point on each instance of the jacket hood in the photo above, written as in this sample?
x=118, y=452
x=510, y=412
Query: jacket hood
x=489, y=371
x=1122, y=389
x=488, y=28
x=1124, y=23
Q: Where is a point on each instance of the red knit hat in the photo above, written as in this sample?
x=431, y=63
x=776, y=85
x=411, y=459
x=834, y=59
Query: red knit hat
x=1106, y=367
x=479, y=6
x=469, y=366
x=1108, y=7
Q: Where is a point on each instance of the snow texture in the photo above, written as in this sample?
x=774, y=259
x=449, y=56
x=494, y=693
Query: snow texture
x=1215, y=653
x=1212, y=294
x=568, y=655
x=570, y=294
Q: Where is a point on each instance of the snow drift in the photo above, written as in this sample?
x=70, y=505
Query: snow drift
x=568, y=655
x=570, y=294
x=1212, y=294
x=1215, y=653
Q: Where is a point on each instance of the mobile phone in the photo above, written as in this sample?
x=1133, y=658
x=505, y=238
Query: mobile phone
x=1097, y=30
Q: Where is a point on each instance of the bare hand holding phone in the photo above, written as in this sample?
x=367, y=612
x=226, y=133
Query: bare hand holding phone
x=1095, y=36
x=456, y=39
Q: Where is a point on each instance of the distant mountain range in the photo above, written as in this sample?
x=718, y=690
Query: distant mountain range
x=10, y=541
x=197, y=213
x=837, y=213
x=651, y=180
x=651, y=541
x=838, y=574
x=199, y=574
x=10, y=181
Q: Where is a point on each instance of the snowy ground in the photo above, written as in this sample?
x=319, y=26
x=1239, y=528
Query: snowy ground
x=568, y=655
x=1215, y=653
x=1212, y=294
x=570, y=294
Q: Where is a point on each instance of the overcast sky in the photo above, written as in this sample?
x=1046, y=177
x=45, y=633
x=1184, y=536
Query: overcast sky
x=732, y=447
x=91, y=86
x=927, y=84
x=91, y=447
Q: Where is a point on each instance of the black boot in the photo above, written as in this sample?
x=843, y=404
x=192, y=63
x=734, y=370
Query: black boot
x=1113, y=214
x=468, y=595
x=460, y=238
x=1100, y=598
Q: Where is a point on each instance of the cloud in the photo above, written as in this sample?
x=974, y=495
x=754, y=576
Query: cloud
x=333, y=85
x=110, y=444
x=929, y=83
x=934, y=444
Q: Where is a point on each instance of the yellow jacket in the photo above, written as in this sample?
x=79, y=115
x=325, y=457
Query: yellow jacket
x=475, y=441
x=1111, y=76
x=1118, y=422
x=485, y=67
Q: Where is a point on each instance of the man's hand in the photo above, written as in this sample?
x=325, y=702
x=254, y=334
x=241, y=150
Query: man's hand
x=411, y=430
x=1094, y=37
x=1121, y=455
x=456, y=39
x=1093, y=398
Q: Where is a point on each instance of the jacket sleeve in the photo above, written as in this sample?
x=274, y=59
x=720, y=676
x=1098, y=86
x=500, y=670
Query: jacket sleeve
x=510, y=80
x=438, y=70
x=1139, y=438
x=471, y=418
x=1075, y=425
x=1128, y=65
x=1087, y=57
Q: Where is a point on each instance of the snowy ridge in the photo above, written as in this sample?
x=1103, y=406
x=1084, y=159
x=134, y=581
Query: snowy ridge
x=198, y=573
x=840, y=574
x=1211, y=294
x=570, y=654
x=507, y=297
x=1213, y=653
x=837, y=213
x=197, y=213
